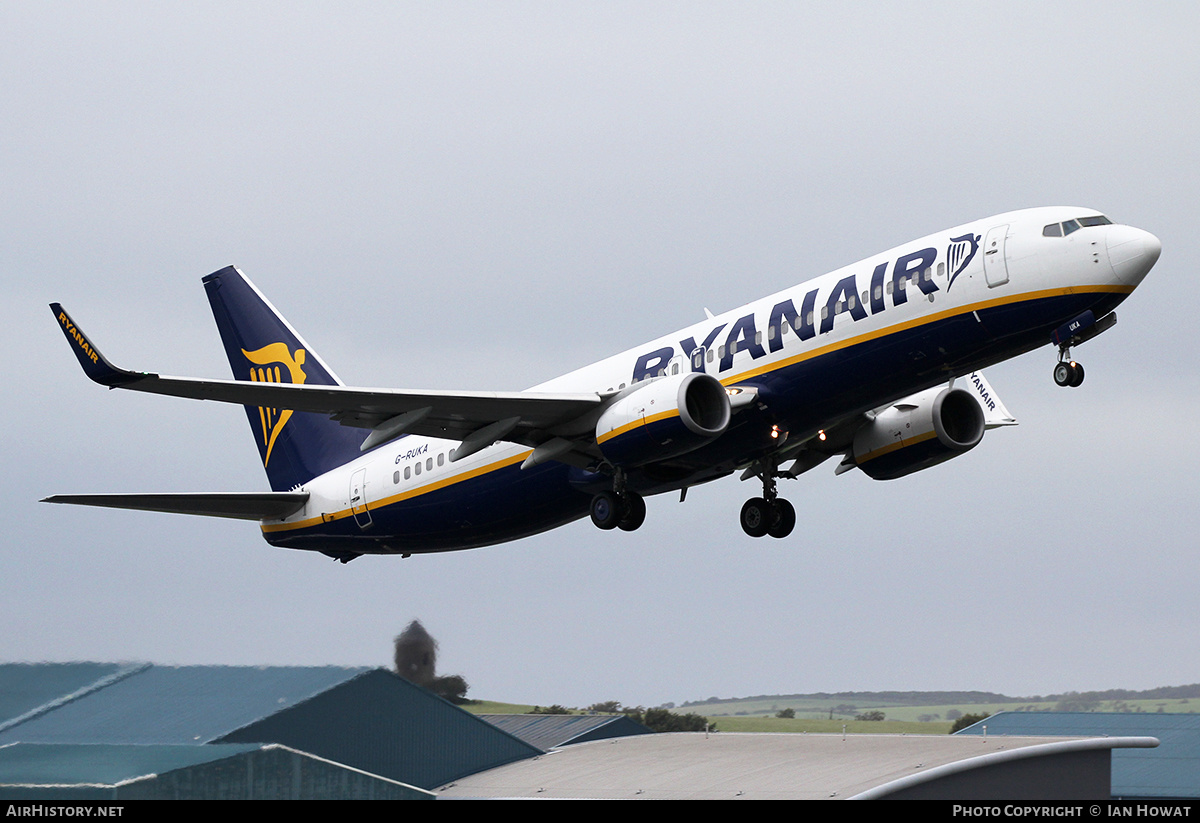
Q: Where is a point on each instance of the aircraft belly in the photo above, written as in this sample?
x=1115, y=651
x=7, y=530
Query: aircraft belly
x=504, y=504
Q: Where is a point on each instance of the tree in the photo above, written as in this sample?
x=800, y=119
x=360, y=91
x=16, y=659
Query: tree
x=664, y=720
x=873, y=715
x=607, y=707
x=968, y=720
x=452, y=687
x=786, y=714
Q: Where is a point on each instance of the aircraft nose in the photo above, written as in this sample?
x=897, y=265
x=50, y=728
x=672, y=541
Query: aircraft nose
x=1132, y=253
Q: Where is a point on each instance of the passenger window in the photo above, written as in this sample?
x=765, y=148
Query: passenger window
x=1053, y=230
x=429, y=464
x=407, y=472
x=442, y=459
x=758, y=338
x=417, y=469
x=396, y=476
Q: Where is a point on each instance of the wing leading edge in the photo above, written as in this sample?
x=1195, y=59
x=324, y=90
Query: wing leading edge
x=530, y=418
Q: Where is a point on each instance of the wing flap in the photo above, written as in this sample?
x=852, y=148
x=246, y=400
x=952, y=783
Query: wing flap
x=236, y=505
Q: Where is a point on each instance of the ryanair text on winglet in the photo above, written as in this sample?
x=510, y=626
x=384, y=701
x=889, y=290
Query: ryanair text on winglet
x=78, y=337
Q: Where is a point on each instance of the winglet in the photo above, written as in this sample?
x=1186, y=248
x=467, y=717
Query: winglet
x=95, y=365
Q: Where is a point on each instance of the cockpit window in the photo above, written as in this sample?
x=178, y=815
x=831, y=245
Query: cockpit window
x=1063, y=229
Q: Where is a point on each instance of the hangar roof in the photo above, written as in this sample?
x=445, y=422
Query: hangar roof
x=546, y=731
x=170, y=704
x=1171, y=770
x=695, y=766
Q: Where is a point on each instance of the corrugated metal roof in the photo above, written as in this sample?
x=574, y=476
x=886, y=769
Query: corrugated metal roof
x=370, y=719
x=27, y=688
x=43, y=764
x=176, y=704
x=546, y=731
x=255, y=771
x=729, y=765
x=385, y=725
x=1171, y=770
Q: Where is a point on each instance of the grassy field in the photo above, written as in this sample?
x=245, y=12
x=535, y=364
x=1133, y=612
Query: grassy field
x=813, y=715
x=820, y=709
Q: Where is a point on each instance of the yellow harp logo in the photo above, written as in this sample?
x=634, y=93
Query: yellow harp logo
x=268, y=359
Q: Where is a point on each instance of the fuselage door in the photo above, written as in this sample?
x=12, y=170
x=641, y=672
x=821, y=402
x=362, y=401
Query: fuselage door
x=358, y=498
x=995, y=262
x=677, y=364
x=698, y=357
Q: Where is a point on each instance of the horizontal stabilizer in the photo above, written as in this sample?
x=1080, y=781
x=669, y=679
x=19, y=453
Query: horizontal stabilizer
x=237, y=505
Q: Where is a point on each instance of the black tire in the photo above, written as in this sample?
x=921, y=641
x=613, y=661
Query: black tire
x=756, y=517
x=784, y=519
x=633, y=512
x=1063, y=373
x=606, y=510
x=1077, y=377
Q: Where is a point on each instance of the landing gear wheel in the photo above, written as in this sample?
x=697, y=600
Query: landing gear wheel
x=756, y=517
x=783, y=518
x=606, y=510
x=1063, y=373
x=1078, y=377
x=633, y=512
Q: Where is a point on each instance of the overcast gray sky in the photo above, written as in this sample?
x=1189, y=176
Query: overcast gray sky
x=483, y=196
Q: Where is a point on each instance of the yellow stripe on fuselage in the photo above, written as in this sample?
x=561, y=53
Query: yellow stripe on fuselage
x=732, y=379
x=921, y=321
x=404, y=495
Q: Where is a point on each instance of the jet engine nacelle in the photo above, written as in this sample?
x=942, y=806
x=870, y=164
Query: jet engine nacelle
x=663, y=418
x=918, y=432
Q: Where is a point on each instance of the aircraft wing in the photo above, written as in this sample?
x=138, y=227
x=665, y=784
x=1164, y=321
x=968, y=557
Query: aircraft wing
x=476, y=418
x=237, y=505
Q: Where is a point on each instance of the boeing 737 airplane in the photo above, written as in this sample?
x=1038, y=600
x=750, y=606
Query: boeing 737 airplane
x=877, y=364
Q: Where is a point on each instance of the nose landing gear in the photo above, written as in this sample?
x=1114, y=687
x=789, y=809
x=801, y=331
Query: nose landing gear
x=1067, y=372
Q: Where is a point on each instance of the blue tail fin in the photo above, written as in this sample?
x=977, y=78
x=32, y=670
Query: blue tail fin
x=294, y=446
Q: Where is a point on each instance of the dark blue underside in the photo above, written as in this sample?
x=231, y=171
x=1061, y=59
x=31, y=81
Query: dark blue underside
x=509, y=503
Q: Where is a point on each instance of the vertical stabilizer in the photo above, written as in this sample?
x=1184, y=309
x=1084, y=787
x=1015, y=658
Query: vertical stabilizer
x=262, y=346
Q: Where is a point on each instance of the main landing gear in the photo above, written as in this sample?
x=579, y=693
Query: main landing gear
x=769, y=514
x=618, y=511
x=619, y=508
x=1067, y=372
